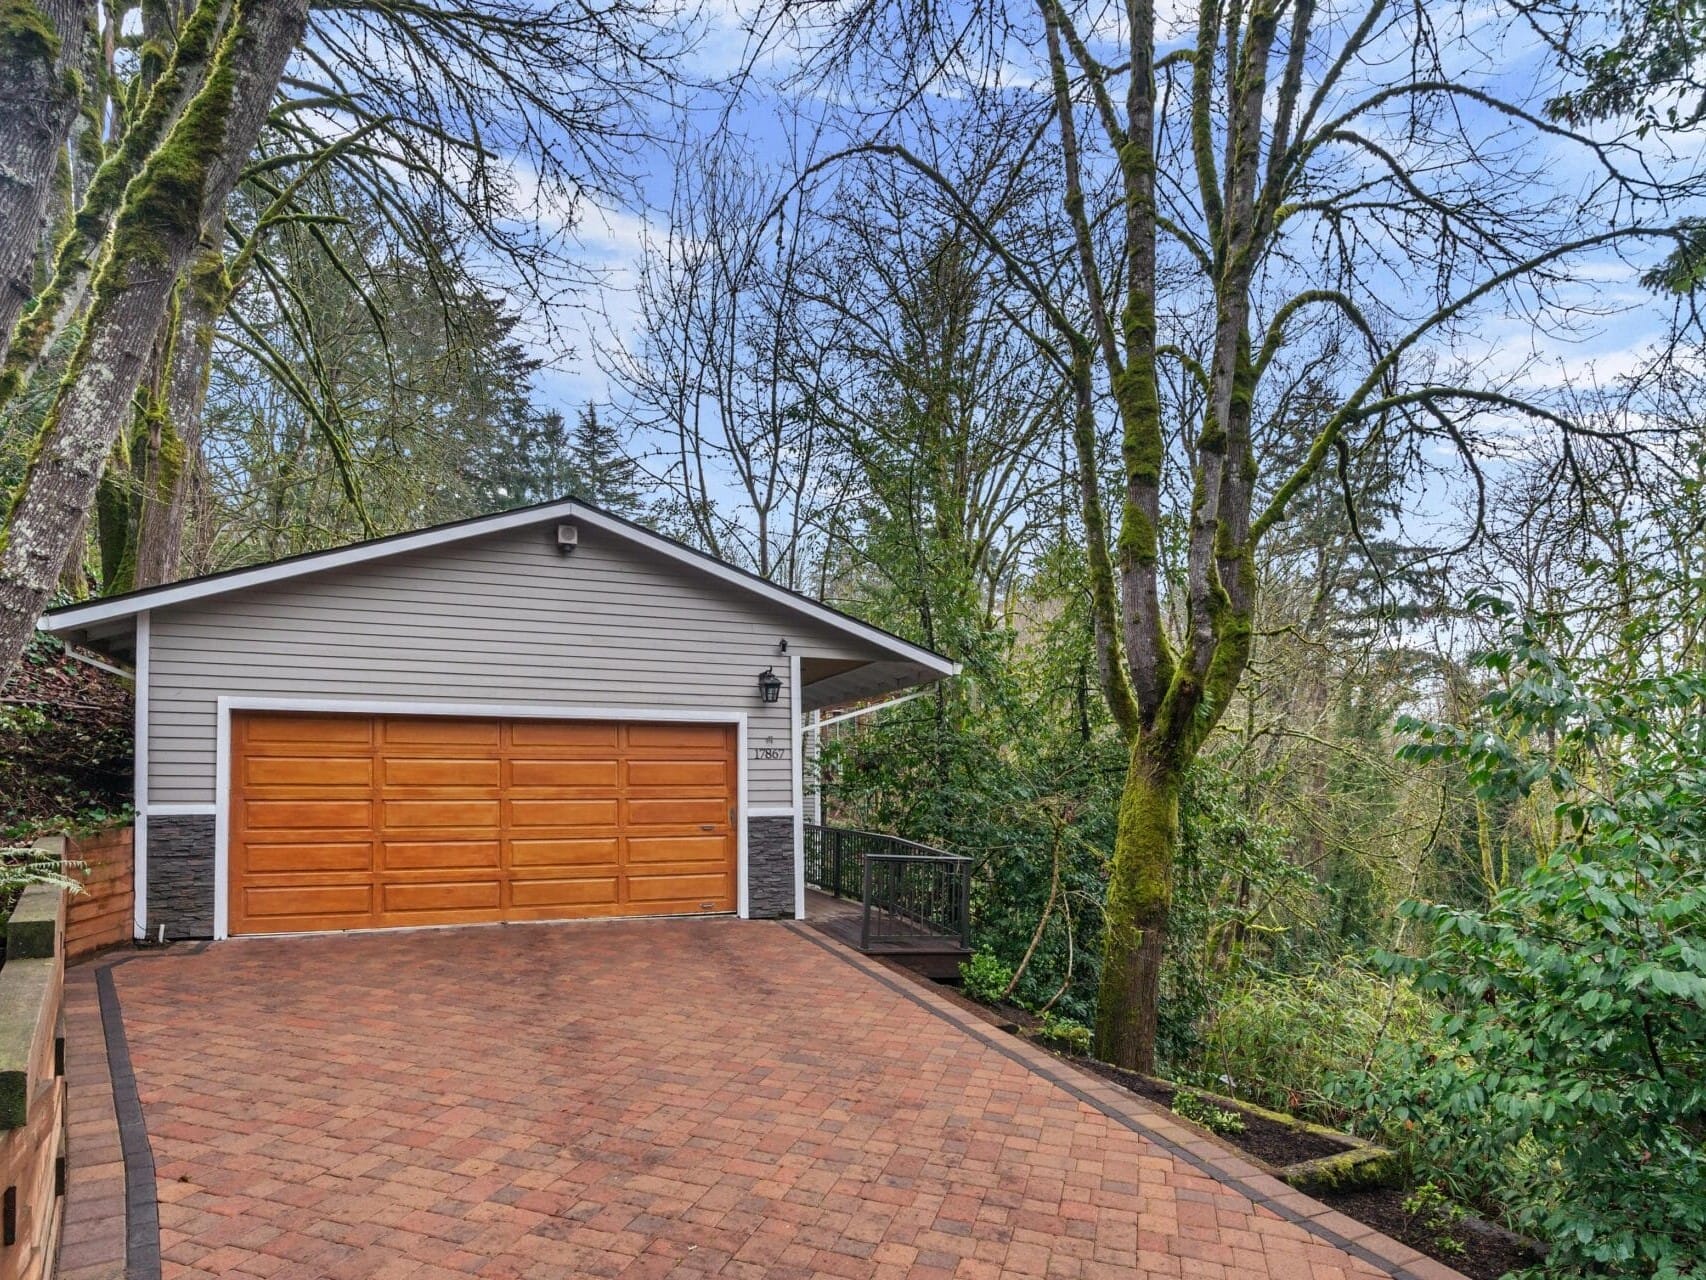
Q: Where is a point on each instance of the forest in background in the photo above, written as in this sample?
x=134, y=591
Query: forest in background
x=1206, y=382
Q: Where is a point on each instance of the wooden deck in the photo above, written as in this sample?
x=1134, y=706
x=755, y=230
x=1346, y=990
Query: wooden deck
x=932, y=954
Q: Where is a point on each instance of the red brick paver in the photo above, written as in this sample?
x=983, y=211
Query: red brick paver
x=643, y=1099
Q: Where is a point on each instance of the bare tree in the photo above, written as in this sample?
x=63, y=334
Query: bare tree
x=1274, y=161
x=940, y=404
x=725, y=376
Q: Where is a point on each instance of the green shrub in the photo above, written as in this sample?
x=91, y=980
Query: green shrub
x=985, y=978
x=1438, y=1214
x=1064, y=1033
x=1199, y=1110
x=1286, y=1041
x=1573, y=1082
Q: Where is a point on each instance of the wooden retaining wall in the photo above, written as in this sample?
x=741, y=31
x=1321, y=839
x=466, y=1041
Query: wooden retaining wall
x=103, y=915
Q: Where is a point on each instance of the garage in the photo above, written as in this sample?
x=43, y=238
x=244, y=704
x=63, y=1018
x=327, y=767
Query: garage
x=547, y=713
x=375, y=821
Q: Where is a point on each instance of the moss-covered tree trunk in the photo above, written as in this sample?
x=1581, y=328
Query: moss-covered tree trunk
x=1139, y=899
x=155, y=236
x=172, y=444
x=77, y=256
x=41, y=53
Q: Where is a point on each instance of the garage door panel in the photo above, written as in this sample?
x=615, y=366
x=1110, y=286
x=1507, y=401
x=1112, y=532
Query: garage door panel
x=650, y=850
x=440, y=732
x=308, y=815
x=278, y=901
x=679, y=774
x=440, y=815
x=397, y=896
x=659, y=889
x=675, y=812
x=651, y=738
x=362, y=822
x=563, y=733
x=460, y=855
x=563, y=813
x=599, y=851
x=319, y=730
x=589, y=773
x=295, y=856
x=439, y=771
x=583, y=891
x=308, y=771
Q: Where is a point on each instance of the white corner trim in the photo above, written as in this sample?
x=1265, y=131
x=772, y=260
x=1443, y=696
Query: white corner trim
x=221, y=807
x=139, y=769
x=796, y=745
x=743, y=906
x=126, y=606
x=811, y=734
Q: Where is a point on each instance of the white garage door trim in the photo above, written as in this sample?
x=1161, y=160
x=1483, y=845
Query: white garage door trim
x=516, y=711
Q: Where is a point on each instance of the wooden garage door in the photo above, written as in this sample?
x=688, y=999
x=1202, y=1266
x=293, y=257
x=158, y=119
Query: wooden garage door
x=358, y=822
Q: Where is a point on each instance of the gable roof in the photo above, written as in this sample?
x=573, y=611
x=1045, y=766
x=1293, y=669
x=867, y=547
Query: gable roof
x=115, y=608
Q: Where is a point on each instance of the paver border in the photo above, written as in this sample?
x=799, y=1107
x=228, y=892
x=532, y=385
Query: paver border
x=141, y=1194
x=105, y=1068
x=1130, y=1112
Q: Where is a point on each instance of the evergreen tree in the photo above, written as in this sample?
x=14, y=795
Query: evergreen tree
x=603, y=473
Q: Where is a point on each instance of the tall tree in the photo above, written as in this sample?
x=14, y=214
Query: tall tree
x=602, y=472
x=724, y=372
x=480, y=124
x=1213, y=196
x=42, y=43
x=181, y=188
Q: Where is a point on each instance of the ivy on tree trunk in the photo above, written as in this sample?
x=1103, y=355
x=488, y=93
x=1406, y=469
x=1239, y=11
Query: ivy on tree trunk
x=41, y=48
x=181, y=187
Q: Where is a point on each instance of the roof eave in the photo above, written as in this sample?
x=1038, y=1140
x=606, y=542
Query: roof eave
x=81, y=617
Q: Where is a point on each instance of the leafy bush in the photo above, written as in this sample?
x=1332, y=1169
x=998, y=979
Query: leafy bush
x=1573, y=1079
x=1438, y=1214
x=1222, y=845
x=1285, y=1041
x=1199, y=1110
x=985, y=978
x=1064, y=1033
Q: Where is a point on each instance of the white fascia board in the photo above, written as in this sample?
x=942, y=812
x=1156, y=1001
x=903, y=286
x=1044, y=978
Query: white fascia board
x=264, y=575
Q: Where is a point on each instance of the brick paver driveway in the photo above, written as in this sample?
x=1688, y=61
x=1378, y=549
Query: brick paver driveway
x=653, y=1098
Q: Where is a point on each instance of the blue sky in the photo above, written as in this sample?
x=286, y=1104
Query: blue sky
x=1600, y=329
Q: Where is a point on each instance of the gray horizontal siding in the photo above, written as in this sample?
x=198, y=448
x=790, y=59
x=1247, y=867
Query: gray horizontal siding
x=504, y=619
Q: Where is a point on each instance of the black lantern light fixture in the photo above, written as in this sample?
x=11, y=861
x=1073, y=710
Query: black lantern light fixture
x=770, y=685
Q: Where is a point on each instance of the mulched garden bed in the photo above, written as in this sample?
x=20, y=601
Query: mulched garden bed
x=1270, y=1142
x=1482, y=1251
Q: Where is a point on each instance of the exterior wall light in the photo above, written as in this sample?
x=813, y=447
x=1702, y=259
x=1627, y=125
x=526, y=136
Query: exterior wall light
x=770, y=685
